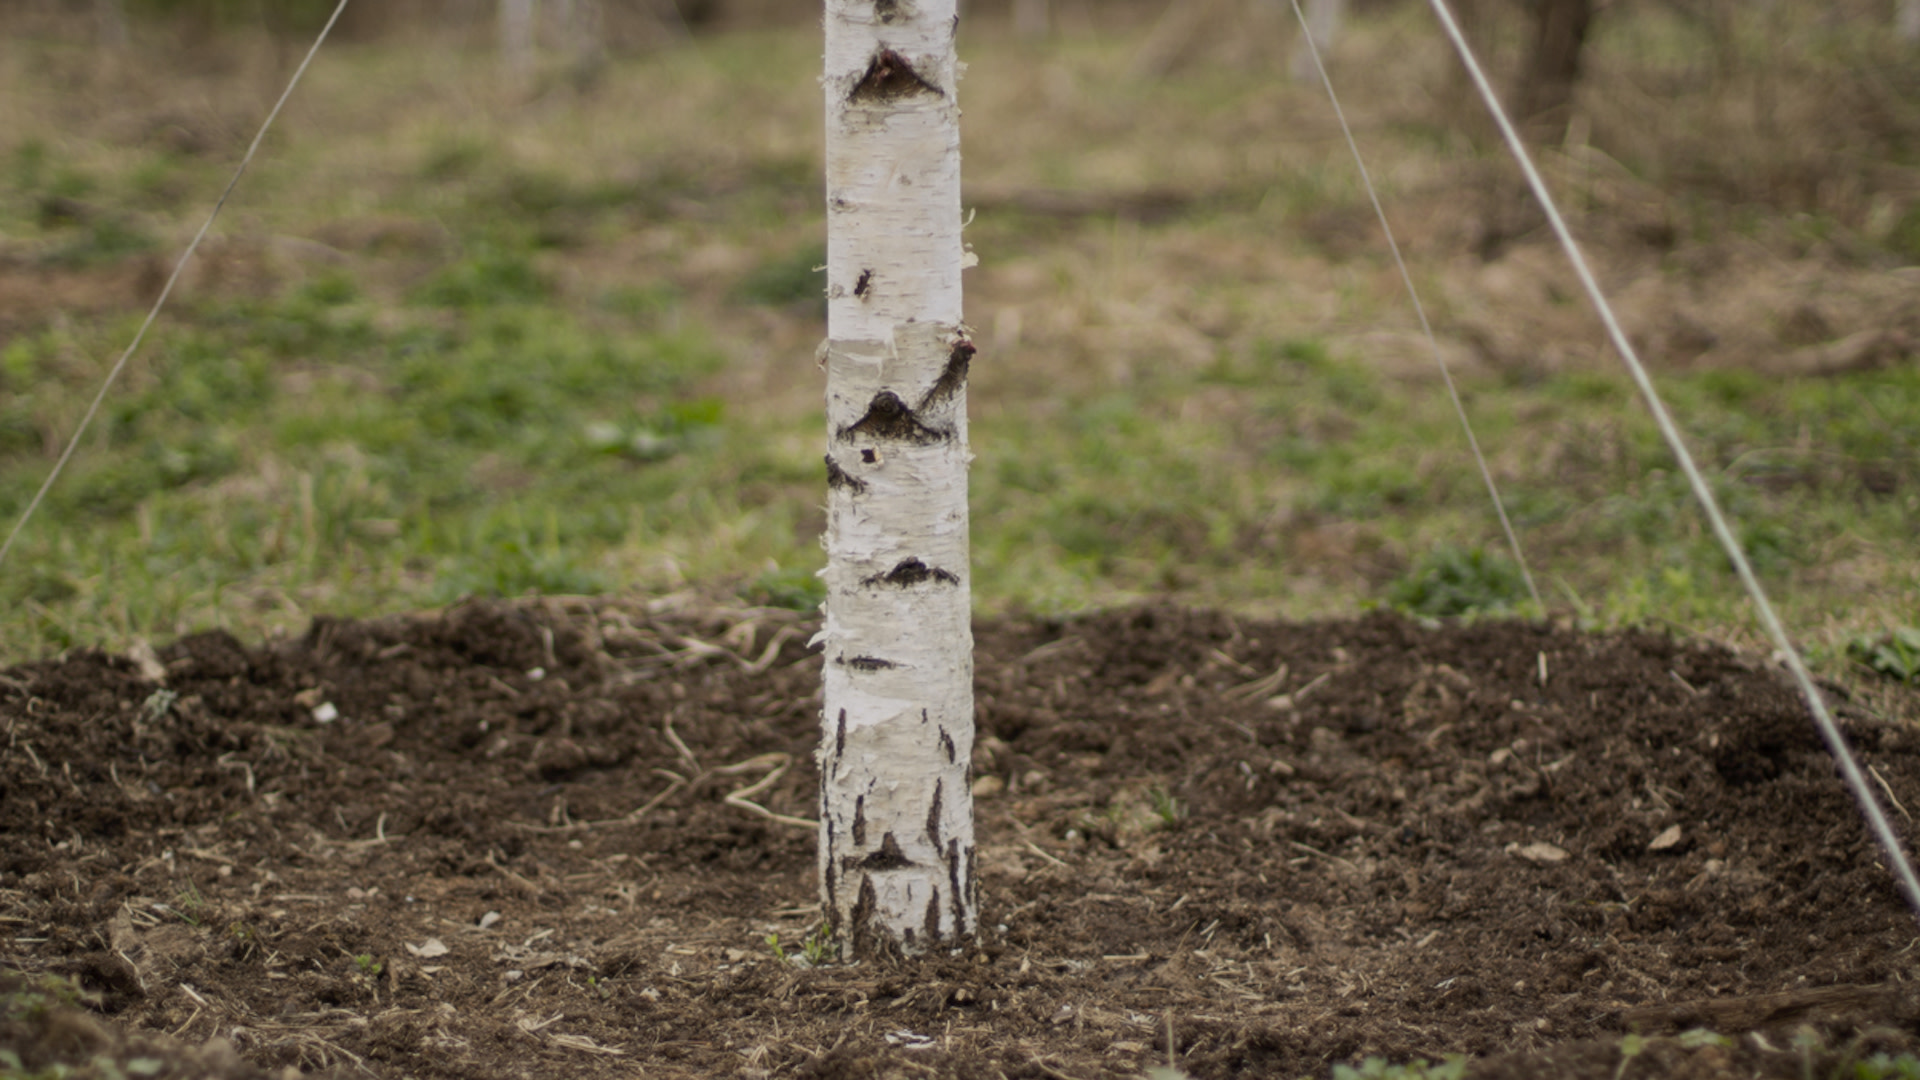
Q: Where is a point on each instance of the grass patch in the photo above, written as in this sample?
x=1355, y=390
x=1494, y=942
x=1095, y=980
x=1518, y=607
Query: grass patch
x=594, y=375
x=1452, y=581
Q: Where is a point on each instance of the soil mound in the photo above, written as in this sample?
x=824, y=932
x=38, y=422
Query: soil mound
x=534, y=840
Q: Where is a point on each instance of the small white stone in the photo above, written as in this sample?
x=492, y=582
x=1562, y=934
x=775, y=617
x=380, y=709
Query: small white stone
x=1542, y=853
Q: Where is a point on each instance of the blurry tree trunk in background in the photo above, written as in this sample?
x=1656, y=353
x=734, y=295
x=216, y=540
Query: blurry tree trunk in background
x=583, y=32
x=516, y=39
x=896, y=810
x=110, y=23
x=1323, y=23
x=1553, y=65
x=1182, y=27
x=1907, y=21
x=1031, y=18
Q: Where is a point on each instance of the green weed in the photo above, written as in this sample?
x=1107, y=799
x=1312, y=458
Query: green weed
x=1895, y=654
x=817, y=949
x=1375, y=1068
x=1882, y=1066
x=1452, y=581
x=1166, y=808
x=490, y=278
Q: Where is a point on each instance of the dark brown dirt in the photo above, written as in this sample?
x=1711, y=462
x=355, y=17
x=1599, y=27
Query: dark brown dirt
x=512, y=854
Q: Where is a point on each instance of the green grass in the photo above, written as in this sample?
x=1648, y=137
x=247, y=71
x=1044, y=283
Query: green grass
x=582, y=364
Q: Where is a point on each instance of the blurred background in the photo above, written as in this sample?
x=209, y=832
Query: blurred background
x=521, y=296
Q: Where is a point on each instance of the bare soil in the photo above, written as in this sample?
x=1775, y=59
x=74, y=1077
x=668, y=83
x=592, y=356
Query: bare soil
x=531, y=841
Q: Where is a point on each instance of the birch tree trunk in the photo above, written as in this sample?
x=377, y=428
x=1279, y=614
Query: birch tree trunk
x=1553, y=66
x=896, y=812
x=516, y=39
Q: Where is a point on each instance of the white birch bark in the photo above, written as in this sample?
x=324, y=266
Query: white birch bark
x=896, y=813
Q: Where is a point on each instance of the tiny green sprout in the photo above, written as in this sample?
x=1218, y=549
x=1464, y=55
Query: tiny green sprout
x=1376, y=1068
x=368, y=966
x=1695, y=1038
x=186, y=903
x=599, y=987
x=1883, y=1066
x=818, y=948
x=157, y=705
x=815, y=949
x=1630, y=1047
x=1166, y=807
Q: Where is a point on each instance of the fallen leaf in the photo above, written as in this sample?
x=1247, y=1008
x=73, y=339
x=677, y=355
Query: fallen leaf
x=1668, y=838
x=429, y=948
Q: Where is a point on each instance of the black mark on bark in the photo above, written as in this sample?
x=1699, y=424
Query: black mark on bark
x=859, y=821
x=870, y=663
x=862, y=914
x=832, y=879
x=973, y=883
x=889, y=857
x=889, y=418
x=933, y=817
x=946, y=743
x=955, y=891
x=911, y=571
x=933, y=917
x=953, y=377
x=837, y=477
x=886, y=9
x=865, y=283
x=840, y=736
x=889, y=77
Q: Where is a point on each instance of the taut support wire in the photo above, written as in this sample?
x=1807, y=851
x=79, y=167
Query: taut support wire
x=1876, y=817
x=172, y=279
x=1419, y=309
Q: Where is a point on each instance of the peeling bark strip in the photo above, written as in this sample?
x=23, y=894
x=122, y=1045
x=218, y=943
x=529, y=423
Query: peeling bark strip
x=896, y=821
